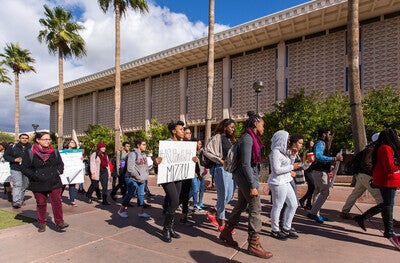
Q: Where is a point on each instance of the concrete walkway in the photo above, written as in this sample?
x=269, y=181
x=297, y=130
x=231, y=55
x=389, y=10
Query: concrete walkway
x=98, y=234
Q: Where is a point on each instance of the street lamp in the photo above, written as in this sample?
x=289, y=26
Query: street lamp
x=35, y=126
x=258, y=86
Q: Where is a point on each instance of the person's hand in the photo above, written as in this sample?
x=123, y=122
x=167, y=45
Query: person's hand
x=18, y=160
x=293, y=173
x=339, y=158
x=253, y=192
x=195, y=159
x=221, y=162
x=297, y=165
x=158, y=160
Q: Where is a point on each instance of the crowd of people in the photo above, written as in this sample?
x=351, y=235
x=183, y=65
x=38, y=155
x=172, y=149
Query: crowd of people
x=38, y=167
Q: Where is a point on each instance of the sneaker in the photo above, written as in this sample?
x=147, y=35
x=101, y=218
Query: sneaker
x=17, y=205
x=62, y=225
x=201, y=205
x=291, y=233
x=41, y=228
x=278, y=235
x=395, y=241
x=122, y=214
x=212, y=219
x=144, y=215
x=318, y=219
x=346, y=216
x=73, y=204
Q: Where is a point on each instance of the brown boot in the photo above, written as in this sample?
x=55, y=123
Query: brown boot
x=255, y=247
x=226, y=235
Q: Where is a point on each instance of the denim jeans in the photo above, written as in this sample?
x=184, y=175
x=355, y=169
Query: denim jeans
x=225, y=189
x=20, y=182
x=194, y=192
x=133, y=186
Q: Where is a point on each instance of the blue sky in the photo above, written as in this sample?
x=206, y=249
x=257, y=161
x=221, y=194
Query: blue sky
x=169, y=23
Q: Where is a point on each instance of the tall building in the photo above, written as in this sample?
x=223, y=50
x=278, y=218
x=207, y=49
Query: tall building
x=303, y=47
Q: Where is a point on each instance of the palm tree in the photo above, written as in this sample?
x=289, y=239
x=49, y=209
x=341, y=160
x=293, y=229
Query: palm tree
x=3, y=76
x=120, y=8
x=19, y=61
x=62, y=37
x=357, y=117
x=210, y=68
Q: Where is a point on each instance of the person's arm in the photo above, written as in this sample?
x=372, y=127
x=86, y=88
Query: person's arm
x=276, y=165
x=245, y=149
x=93, y=166
x=212, y=150
x=319, y=153
x=27, y=168
x=9, y=156
x=60, y=166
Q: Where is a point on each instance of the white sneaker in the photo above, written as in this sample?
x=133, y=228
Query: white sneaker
x=144, y=215
x=122, y=214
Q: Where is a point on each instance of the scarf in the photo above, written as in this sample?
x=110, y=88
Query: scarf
x=103, y=160
x=256, y=149
x=41, y=152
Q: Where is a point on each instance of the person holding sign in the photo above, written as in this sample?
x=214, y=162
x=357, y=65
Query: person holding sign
x=135, y=174
x=43, y=165
x=70, y=144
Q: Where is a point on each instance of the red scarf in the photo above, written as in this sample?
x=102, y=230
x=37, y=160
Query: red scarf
x=103, y=160
x=41, y=152
x=256, y=149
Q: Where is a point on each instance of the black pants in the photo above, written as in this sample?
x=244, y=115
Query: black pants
x=184, y=196
x=172, y=191
x=310, y=184
x=121, y=185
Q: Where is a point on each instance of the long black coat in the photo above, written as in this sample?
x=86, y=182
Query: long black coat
x=43, y=176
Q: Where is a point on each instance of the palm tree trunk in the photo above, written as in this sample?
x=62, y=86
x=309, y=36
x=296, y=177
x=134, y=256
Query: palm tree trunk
x=16, y=127
x=357, y=118
x=117, y=95
x=210, y=69
x=60, y=123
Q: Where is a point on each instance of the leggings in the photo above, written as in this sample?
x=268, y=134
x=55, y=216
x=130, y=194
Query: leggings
x=172, y=191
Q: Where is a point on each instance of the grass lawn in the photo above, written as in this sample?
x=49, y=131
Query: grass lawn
x=9, y=219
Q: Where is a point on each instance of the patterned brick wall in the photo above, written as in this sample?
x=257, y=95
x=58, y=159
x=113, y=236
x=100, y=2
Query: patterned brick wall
x=165, y=98
x=67, y=117
x=53, y=117
x=84, y=110
x=317, y=64
x=132, y=106
x=197, y=93
x=246, y=70
x=105, y=108
x=381, y=54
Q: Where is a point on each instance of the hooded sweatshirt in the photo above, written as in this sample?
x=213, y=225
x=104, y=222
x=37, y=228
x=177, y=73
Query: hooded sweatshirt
x=137, y=167
x=279, y=161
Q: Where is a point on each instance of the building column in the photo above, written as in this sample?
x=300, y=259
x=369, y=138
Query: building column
x=183, y=95
x=95, y=98
x=74, y=114
x=280, y=72
x=226, y=87
x=147, y=103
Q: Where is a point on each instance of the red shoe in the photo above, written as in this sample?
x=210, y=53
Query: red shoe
x=212, y=219
x=221, y=228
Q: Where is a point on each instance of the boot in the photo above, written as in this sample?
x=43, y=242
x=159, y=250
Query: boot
x=172, y=231
x=105, y=200
x=367, y=215
x=167, y=227
x=9, y=193
x=226, y=236
x=98, y=193
x=255, y=247
x=387, y=216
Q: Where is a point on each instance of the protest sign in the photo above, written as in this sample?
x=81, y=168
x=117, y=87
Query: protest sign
x=74, y=169
x=177, y=163
x=5, y=172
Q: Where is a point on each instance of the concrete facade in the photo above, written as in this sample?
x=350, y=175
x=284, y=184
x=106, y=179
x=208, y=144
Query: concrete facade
x=313, y=57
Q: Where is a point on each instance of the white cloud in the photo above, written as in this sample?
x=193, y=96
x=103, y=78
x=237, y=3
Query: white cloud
x=141, y=35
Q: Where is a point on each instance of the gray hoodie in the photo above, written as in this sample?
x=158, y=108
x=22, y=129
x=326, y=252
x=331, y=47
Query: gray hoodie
x=137, y=166
x=279, y=161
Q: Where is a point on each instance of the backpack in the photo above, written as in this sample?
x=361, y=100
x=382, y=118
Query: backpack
x=232, y=158
x=354, y=165
x=205, y=162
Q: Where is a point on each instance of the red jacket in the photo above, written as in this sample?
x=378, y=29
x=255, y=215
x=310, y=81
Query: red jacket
x=385, y=172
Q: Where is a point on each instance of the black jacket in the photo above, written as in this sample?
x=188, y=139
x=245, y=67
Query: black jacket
x=43, y=176
x=13, y=152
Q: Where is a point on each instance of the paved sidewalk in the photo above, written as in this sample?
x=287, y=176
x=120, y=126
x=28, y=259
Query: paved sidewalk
x=98, y=234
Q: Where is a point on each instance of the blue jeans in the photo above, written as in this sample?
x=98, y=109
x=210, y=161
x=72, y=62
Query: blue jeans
x=225, y=188
x=133, y=186
x=388, y=195
x=194, y=192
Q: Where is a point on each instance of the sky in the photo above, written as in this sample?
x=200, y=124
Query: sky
x=168, y=23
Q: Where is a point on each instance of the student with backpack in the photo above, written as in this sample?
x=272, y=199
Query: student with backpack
x=246, y=175
x=120, y=165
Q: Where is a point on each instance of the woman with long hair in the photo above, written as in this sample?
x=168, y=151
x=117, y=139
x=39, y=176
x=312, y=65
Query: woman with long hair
x=246, y=175
x=43, y=166
x=100, y=171
x=386, y=175
x=217, y=150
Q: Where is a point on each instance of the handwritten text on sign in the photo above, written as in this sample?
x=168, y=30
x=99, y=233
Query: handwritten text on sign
x=74, y=169
x=177, y=163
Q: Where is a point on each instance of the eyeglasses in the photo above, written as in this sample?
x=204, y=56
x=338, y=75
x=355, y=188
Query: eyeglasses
x=45, y=140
